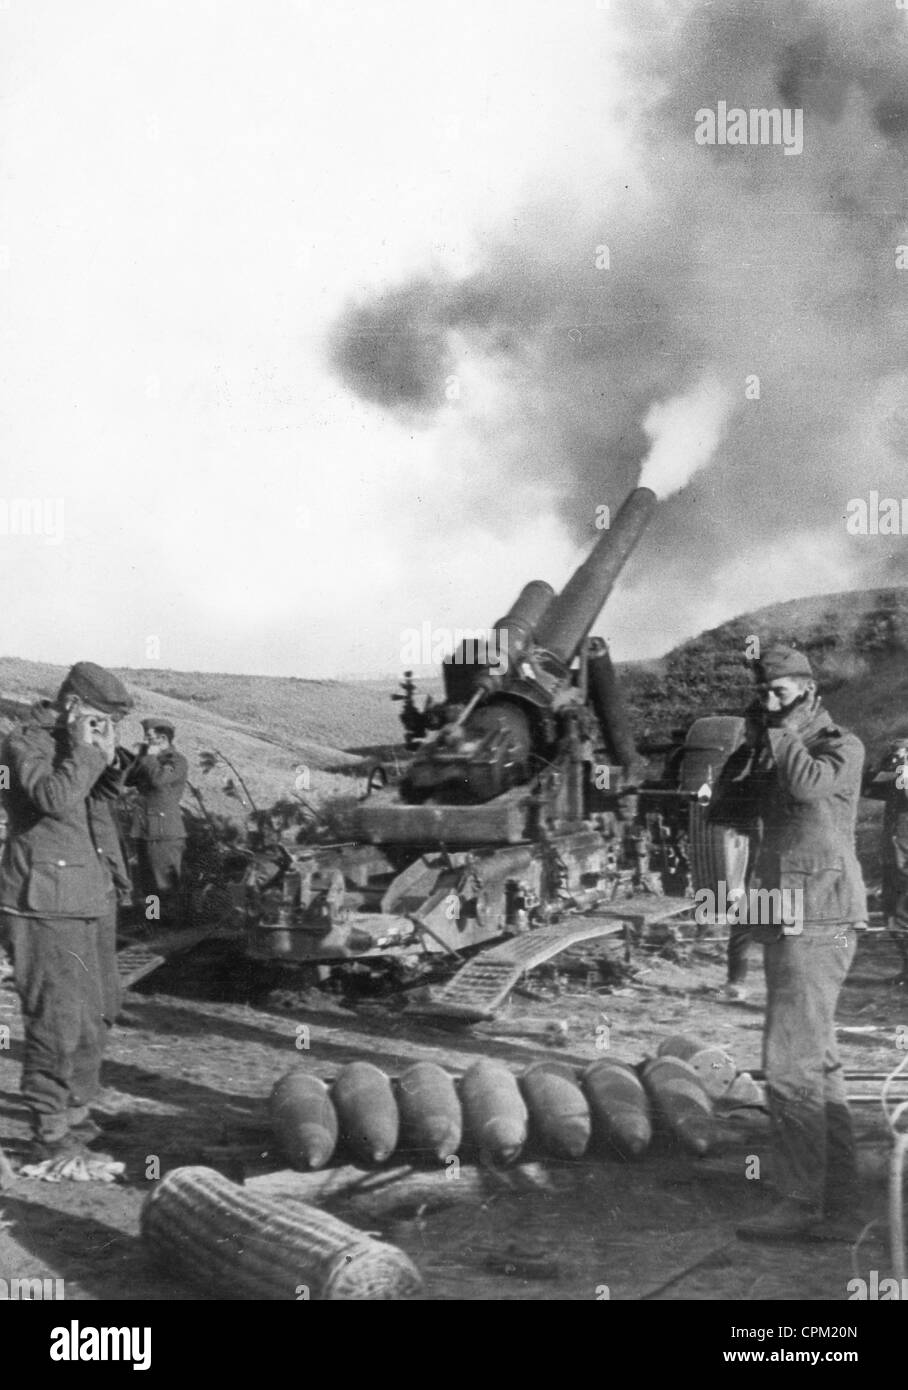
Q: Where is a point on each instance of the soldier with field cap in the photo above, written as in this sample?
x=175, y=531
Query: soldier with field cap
x=888, y=782
x=159, y=775
x=61, y=869
x=801, y=774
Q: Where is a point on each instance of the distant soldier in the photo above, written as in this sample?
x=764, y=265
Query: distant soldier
x=888, y=783
x=159, y=776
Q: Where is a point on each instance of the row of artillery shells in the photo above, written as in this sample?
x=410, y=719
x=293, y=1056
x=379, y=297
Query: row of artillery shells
x=368, y=1112
x=490, y=1111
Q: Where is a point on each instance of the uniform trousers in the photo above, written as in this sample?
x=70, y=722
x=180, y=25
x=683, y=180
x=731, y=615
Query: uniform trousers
x=66, y=978
x=813, y=1137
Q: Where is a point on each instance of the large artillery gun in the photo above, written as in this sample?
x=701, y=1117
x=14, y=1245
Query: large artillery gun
x=523, y=817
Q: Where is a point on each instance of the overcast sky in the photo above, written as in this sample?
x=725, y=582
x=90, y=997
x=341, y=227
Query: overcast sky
x=192, y=192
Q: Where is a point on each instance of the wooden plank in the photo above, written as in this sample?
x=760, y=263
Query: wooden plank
x=139, y=957
x=483, y=984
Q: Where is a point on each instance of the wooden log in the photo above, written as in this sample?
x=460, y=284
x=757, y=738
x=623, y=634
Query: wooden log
x=401, y=1192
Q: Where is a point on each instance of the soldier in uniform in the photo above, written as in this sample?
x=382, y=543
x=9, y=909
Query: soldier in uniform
x=159, y=775
x=801, y=778
x=61, y=869
x=888, y=783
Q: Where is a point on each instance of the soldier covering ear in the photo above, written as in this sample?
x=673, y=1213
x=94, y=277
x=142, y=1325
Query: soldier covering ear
x=61, y=870
x=803, y=783
x=159, y=774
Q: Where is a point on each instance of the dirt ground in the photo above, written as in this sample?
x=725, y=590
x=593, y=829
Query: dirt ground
x=201, y=1043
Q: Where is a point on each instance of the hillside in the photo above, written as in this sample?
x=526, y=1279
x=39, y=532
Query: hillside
x=270, y=726
x=321, y=716
x=857, y=642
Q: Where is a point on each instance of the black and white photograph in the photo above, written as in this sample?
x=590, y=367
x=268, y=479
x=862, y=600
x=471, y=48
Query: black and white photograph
x=454, y=663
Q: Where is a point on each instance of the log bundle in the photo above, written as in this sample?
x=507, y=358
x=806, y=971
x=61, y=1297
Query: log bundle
x=241, y=1245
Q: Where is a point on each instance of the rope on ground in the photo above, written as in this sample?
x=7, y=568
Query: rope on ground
x=855, y=1268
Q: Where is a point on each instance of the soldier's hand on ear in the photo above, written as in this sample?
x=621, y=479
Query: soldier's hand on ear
x=799, y=713
x=105, y=738
x=81, y=729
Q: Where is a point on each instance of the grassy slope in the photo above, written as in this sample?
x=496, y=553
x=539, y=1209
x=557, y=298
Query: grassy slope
x=857, y=642
x=267, y=726
x=263, y=737
x=324, y=715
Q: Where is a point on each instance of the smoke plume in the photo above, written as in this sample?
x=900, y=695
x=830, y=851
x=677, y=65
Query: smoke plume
x=684, y=433
x=762, y=290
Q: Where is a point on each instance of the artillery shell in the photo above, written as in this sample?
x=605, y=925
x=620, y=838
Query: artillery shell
x=494, y=1115
x=430, y=1115
x=680, y=1102
x=619, y=1106
x=714, y=1066
x=559, y=1114
x=303, y=1119
x=366, y=1111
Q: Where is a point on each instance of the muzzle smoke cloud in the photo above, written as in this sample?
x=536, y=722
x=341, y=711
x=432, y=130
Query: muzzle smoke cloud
x=762, y=290
x=685, y=432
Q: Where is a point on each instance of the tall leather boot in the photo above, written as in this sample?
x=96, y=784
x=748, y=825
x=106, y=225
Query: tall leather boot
x=799, y=1143
x=842, y=1193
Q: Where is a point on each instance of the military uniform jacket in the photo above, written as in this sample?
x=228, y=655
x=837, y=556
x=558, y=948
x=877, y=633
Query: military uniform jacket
x=884, y=787
x=62, y=857
x=803, y=788
x=161, y=782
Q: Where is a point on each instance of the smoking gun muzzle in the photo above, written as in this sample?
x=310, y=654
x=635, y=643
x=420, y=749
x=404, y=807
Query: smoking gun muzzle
x=569, y=617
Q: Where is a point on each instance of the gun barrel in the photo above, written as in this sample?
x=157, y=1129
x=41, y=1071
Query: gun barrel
x=512, y=635
x=517, y=625
x=608, y=702
x=569, y=617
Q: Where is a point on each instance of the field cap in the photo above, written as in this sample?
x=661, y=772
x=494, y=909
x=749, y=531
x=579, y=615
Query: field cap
x=97, y=687
x=159, y=722
x=780, y=662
